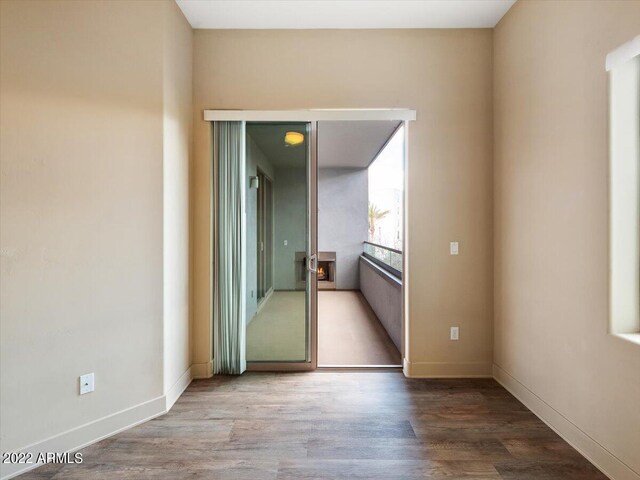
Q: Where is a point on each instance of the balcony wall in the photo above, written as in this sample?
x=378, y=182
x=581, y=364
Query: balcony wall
x=383, y=291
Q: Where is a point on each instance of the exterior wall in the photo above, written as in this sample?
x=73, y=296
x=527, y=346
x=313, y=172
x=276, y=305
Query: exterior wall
x=343, y=220
x=551, y=225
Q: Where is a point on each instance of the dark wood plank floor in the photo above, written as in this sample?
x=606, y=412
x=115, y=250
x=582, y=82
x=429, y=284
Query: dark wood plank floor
x=335, y=425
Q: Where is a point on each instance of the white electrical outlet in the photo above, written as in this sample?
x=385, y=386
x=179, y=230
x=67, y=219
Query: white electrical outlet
x=87, y=383
x=286, y=243
x=455, y=333
x=454, y=248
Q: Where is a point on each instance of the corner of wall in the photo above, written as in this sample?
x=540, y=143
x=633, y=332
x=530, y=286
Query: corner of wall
x=95, y=431
x=588, y=447
x=89, y=433
x=202, y=370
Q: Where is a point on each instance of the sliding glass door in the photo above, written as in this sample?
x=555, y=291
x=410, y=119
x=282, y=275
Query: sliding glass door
x=264, y=208
x=280, y=245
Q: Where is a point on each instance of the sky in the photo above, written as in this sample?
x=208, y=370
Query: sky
x=386, y=172
x=386, y=184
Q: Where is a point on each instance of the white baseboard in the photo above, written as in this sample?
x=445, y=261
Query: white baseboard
x=202, y=370
x=105, y=427
x=446, y=370
x=89, y=433
x=176, y=390
x=593, y=451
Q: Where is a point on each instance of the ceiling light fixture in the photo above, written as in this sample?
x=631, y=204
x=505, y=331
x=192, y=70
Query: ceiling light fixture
x=291, y=139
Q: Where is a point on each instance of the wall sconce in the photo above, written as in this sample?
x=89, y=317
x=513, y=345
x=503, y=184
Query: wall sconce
x=254, y=182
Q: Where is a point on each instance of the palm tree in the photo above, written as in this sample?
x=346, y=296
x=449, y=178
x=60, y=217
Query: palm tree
x=374, y=215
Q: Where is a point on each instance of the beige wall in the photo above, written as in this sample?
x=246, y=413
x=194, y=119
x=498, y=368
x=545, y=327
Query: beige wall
x=177, y=128
x=84, y=111
x=446, y=75
x=95, y=108
x=551, y=233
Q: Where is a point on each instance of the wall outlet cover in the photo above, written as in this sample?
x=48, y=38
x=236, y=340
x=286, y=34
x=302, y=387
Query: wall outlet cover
x=455, y=333
x=454, y=248
x=87, y=383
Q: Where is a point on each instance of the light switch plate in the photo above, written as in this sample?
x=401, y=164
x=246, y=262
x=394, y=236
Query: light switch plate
x=455, y=333
x=87, y=383
x=454, y=248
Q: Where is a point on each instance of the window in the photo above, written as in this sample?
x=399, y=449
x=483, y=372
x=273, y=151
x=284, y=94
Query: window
x=623, y=65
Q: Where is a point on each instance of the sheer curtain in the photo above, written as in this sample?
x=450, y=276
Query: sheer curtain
x=229, y=287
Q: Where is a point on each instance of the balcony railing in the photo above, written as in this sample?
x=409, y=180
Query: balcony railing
x=387, y=258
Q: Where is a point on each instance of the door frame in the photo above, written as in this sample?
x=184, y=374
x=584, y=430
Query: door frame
x=264, y=222
x=313, y=116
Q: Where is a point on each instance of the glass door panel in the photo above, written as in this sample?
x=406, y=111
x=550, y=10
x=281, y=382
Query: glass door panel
x=280, y=171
